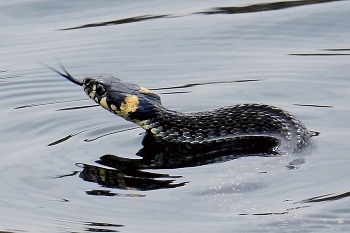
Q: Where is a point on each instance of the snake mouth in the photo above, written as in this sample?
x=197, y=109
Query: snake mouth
x=66, y=75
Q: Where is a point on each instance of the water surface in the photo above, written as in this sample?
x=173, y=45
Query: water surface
x=197, y=55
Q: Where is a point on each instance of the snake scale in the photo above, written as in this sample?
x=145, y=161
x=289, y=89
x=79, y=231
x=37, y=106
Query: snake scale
x=143, y=107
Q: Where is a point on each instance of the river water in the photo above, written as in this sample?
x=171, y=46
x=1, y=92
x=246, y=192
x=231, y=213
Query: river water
x=197, y=55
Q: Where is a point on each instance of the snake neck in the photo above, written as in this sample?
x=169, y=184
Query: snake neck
x=227, y=124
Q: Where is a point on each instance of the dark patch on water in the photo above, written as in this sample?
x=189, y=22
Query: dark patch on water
x=327, y=197
x=47, y=103
x=315, y=105
x=264, y=7
x=78, y=107
x=204, y=83
x=320, y=54
x=217, y=10
x=324, y=54
x=109, y=193
x=107, y=127
x=336, y=49
x=118, y=21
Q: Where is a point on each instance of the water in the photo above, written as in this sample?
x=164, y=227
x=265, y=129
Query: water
x=296, y=58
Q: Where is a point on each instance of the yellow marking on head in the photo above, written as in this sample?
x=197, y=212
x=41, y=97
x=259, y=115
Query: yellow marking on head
x=113, y=107
x=131, y=104
x=103, y=103
x=132, y=99
x=92, y=94
x=144, y=90
x=94, y=87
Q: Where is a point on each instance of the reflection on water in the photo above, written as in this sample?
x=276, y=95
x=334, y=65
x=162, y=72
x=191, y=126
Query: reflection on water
x=128, y=173
x=127, y=179
x=101, y=227
x=65, y=225
x=108, y=193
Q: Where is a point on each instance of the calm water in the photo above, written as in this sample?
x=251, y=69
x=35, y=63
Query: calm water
x=295, y=57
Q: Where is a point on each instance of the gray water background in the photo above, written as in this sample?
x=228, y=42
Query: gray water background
x=298, y=58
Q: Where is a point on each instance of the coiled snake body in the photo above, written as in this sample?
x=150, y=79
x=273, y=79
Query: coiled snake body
x=143, y=107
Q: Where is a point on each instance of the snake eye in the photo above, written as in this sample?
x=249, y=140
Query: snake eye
x=100, y=89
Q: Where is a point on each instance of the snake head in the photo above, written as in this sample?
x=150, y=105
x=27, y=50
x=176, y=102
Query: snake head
x=130, y=101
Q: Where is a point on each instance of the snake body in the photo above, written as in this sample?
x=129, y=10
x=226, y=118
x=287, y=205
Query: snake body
x=143, y=107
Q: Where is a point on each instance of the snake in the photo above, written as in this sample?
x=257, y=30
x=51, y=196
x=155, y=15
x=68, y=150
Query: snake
x=143, y=107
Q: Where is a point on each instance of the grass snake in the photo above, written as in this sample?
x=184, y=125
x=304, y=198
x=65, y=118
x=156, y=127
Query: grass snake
x=143, y=107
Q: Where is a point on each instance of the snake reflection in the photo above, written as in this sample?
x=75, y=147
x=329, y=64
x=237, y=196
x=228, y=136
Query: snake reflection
x=129, y=174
